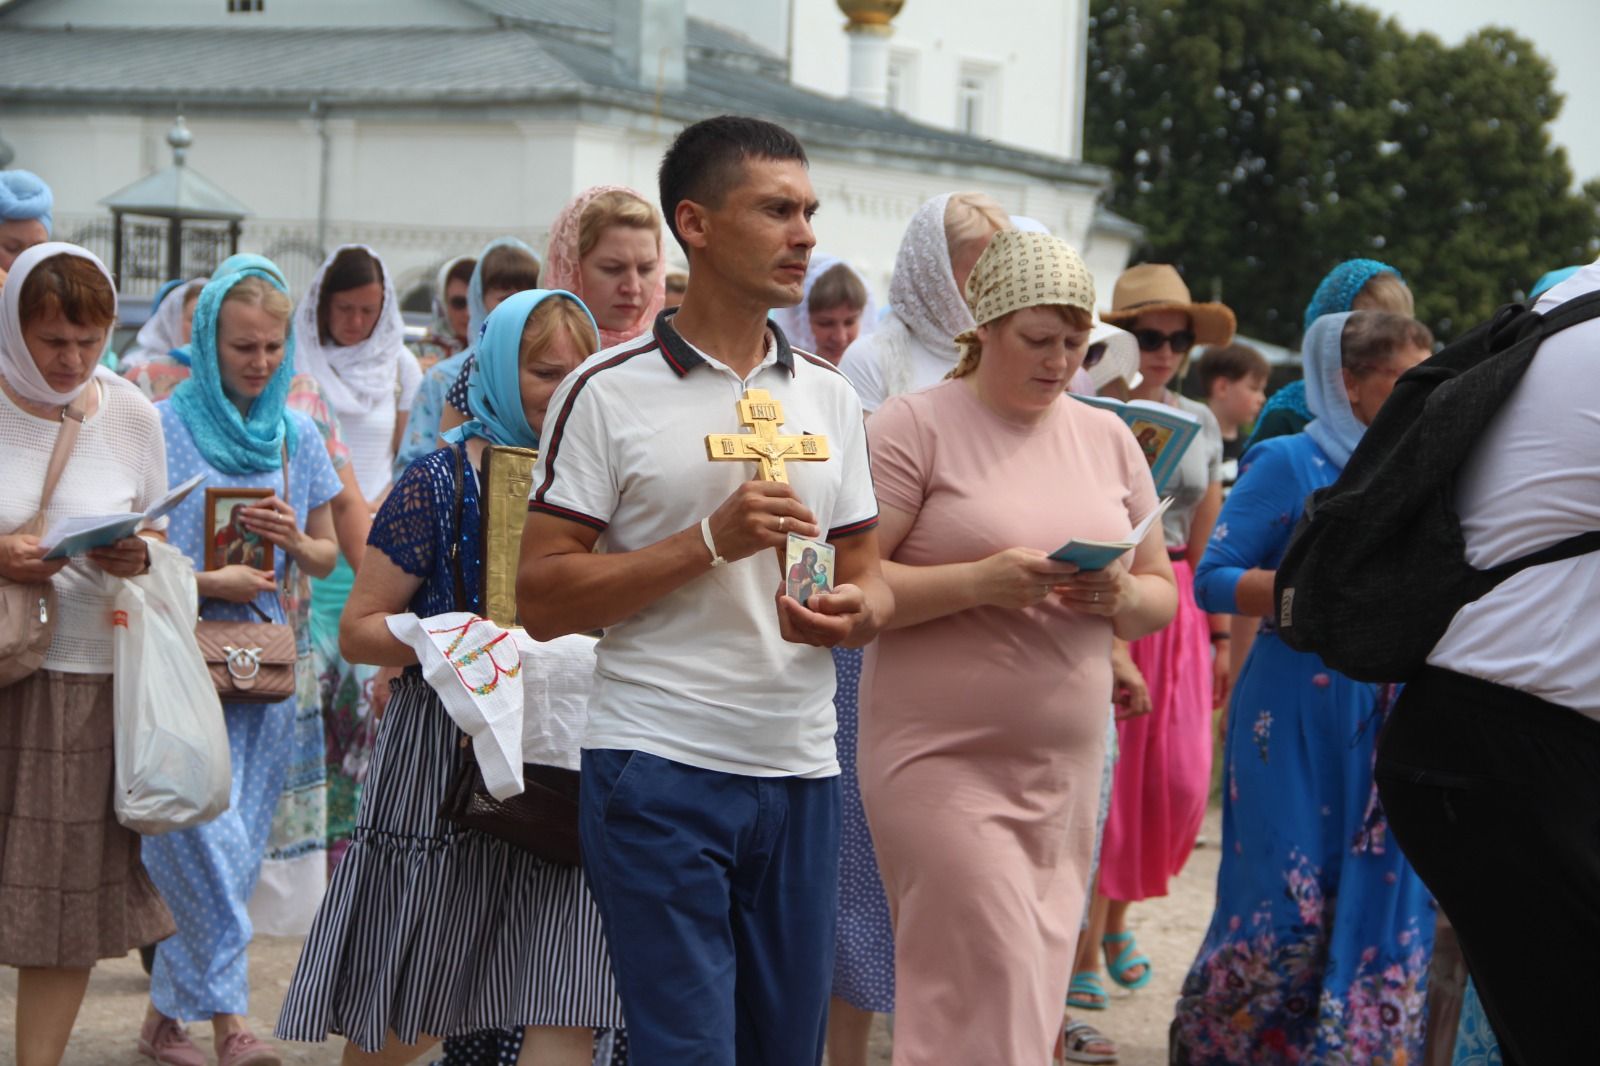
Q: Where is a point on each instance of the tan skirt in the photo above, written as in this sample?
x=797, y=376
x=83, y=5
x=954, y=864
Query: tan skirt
x=72, y=888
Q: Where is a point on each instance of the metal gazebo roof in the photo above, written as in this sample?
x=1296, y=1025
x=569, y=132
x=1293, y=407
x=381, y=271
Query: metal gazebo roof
x=177, y=191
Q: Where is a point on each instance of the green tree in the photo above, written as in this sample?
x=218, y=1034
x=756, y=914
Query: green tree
x=1260, y=142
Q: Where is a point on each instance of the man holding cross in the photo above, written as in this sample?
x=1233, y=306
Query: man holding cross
x=710, y=809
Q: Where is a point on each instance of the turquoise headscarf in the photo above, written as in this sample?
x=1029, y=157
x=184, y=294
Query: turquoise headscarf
x=494, y=394
x=1344, y=282
x=235, y=264
x=230, y=442
x=1550, y=281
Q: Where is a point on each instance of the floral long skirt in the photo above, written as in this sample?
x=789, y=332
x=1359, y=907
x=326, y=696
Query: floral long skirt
x=1319, y=947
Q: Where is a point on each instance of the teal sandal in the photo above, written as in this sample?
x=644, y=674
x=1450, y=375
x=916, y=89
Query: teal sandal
x=1128, y=958
x=1086, y=992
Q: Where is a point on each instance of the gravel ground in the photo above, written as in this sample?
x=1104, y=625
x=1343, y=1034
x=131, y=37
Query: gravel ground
x=1169, y=931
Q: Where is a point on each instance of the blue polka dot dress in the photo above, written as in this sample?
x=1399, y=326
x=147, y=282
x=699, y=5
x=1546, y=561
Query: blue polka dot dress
x=207, y=874
x=863, y=967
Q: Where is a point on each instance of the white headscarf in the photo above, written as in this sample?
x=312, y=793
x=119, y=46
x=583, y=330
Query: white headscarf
x=16, y=363
x=163, y=330
x=923, y=298
x=796, y=321
x=358, y=378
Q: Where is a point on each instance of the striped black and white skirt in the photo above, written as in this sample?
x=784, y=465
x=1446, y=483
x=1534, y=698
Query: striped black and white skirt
x=431, y=929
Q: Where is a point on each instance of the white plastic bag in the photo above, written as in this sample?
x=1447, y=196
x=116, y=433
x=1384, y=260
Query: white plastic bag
x=173, y=768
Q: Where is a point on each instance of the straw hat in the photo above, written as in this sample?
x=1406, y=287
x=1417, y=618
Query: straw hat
x=1152, y=287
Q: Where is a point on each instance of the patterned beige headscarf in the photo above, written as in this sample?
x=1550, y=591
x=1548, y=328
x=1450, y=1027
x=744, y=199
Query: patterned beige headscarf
x=1020, y=270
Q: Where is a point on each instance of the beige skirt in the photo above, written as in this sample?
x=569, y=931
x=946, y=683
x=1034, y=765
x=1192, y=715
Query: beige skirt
x=72, y=888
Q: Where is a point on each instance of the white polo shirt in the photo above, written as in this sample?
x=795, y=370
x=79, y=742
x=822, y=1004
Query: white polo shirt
x=702, y=675
x=1532, y=480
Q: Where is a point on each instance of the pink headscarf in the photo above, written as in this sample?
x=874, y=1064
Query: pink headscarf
x=561, y=264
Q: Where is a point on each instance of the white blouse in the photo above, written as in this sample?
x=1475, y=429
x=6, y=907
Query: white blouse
x=117, y=465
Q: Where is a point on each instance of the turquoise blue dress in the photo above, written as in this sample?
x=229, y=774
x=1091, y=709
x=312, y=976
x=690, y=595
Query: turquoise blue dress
x=1319, y=946
x=206, y=874
x=1476, y=1044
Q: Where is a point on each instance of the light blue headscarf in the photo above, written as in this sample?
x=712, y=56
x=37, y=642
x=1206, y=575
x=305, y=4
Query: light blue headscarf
x=422, y=429
x=476, y=312
x=1550, y=281
x=232, y=443
x=1344, y=282
x=25, y=196
x=1334, y=425
x=495, y=392
x=243, y=261
x=163, y=292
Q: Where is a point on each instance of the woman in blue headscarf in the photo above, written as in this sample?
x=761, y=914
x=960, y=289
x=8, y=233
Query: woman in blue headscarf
x=419, y=905
x=1353, y=285
x=1320, y=941
x=505, y=266
x=228, y=422
x=25, y=206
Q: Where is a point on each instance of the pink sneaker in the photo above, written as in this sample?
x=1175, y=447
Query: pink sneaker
x=164, y=1040
x=243, y=1048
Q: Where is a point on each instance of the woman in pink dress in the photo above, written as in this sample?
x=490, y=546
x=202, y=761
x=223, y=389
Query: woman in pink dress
x=983, y=719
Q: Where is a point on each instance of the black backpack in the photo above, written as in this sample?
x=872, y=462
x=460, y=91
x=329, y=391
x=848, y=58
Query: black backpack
x=1377, y=567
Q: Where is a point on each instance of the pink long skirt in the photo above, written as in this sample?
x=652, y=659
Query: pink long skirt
x=1163, y=775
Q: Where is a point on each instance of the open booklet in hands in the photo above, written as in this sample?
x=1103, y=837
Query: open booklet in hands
x=84, y=533
x=1164, y=433
x=1099, y=554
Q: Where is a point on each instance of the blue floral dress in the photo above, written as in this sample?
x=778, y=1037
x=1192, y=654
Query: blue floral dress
x=1319, y=947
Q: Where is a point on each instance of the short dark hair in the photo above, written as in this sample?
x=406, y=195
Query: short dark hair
x=505, y=266
x=1371, y=338
x=1230, y=362
x=837, y=287
x=461, y=270
x=702, y=163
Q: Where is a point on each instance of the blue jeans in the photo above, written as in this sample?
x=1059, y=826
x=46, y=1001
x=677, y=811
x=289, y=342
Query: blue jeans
x=718, y=893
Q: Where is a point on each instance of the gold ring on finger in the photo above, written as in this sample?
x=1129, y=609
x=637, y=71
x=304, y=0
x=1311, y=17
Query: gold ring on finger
x=783, y=523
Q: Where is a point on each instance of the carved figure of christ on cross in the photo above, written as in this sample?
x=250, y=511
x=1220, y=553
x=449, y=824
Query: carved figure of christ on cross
x=764, y=444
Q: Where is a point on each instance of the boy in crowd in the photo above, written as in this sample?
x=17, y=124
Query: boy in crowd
x=1233, y=383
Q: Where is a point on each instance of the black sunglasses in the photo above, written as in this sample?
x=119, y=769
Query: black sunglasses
x=1151, y=340
x=458, y=303
x=1094, y=353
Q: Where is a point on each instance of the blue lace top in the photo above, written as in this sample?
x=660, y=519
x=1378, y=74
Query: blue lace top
x=415, y=529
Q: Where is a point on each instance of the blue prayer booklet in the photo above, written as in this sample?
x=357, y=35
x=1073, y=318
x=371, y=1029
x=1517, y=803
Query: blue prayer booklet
x=1164, y=433
x=76, y=536
x=1099, y=554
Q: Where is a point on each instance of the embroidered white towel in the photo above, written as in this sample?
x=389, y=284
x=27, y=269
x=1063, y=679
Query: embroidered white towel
x=476, y=668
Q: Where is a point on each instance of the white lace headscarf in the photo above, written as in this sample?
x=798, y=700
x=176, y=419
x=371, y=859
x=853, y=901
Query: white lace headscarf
x=356, y=378
x=796, y=321
x=923, y=299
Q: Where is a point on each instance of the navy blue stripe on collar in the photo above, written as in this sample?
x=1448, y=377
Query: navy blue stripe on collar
x=682, y=358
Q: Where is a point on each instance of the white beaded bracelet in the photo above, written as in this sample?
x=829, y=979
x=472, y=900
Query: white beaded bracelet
x=705, y=533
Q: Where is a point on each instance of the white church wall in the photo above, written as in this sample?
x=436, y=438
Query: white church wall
x=421, y=191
